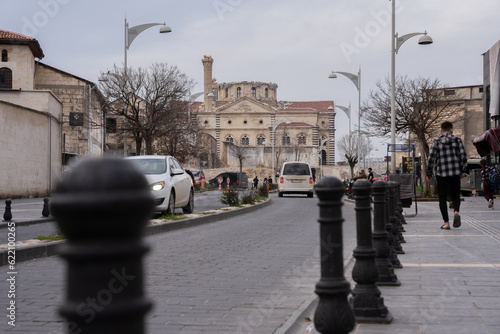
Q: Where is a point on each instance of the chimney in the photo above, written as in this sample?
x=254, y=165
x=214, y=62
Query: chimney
x=207, y=81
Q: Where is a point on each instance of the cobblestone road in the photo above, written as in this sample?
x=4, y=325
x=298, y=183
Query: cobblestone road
x=247, y=274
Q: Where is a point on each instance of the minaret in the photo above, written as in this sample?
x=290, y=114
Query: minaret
x=207, y=81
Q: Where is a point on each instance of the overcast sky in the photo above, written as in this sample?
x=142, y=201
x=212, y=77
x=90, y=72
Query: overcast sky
x=294, y=43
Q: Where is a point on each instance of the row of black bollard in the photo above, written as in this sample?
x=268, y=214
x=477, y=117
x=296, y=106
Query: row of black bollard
x=7, y=215
x=376, y=254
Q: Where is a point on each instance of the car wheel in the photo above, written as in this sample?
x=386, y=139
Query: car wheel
x=310, y=195
x=190, y=207
x=280, y=194
x=171, y=204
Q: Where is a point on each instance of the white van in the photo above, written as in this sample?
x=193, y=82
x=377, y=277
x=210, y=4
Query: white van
x=296, y=178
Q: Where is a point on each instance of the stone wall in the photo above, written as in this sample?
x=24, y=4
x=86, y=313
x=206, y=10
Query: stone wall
x=30, y=150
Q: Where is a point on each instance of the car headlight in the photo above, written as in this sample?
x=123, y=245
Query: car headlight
x=158, y=186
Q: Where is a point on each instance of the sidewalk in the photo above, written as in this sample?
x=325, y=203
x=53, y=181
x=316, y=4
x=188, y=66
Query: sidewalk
x=450, y=278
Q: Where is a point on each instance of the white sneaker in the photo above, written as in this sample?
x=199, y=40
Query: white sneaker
x=490, y=204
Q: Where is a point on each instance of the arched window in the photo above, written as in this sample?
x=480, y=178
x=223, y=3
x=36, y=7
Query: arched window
x=229, y=139
x=5, y=78
x=261, y=140
x=301, y=139
x=227, y=93
x=245, y=141
x=5, y=57
x=254, y=92
x=285, y=139
x=238, y=92
x=267, y=93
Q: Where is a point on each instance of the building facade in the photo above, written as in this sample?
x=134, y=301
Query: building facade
x=249, y=115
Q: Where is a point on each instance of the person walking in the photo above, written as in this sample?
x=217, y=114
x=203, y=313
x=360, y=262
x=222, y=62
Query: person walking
x=256, y=182
x=361, y=175
x=449, y=160
x=487, y=188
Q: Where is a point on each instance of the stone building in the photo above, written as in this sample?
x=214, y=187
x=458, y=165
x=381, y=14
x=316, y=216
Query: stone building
x=30, y=126
x=244, y=114
x=82, y=110
x=466, y=114
x=47, y=116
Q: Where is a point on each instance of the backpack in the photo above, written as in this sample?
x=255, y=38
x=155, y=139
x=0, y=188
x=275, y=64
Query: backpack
x=493, y=178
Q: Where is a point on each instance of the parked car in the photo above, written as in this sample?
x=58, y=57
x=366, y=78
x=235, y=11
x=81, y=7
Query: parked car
x=198, y=175
x=296, y=178
x=233, y=180
x=171, y=185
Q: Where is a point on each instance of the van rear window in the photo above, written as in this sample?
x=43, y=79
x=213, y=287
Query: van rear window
x=296, y=169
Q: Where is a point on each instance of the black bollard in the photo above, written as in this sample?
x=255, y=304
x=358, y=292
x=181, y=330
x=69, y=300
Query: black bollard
x=333, y=314
x=399, y=214
x=102, y=207
x=7, y=215
x=45, y=210
x=388, y=227
x=380, y=237
x=368, y=305
x=396, y=245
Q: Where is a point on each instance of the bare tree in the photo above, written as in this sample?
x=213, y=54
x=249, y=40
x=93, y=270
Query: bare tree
x=147, y=99
x=421, y=106
x=348, y=145
x=241, y=153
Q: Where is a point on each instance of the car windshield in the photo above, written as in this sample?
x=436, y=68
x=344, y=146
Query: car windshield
x=151, y=166
x=296, y=169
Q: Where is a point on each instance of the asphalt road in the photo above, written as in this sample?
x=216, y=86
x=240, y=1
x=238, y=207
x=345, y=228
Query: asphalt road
x=246, y=274
x=24, y=209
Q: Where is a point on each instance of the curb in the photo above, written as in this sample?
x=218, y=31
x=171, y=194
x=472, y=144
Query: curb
x=51, y=248
x=297, y=324
x=27, y=222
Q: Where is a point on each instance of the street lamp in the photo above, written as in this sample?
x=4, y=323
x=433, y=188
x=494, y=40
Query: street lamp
x=273, y=138
x=132, y=33
x=396, y=43
x=193, y=98
x=356, y=80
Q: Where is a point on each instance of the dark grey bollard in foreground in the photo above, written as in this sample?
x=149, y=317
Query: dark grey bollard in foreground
x=388, y=227
x=333, y=314
x=7, y=215
x=45, y=210
x=367, y=303
x=380, y=237
x=102, y=207
x=399, y=214
x=393, y=219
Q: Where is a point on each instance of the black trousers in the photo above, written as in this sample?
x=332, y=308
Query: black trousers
x=448, y=185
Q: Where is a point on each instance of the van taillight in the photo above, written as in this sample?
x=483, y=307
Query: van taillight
x=281, y=180
x=310, y=180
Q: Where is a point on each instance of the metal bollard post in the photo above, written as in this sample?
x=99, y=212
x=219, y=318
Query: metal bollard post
x=388, y=227
x=102, y=207
x=45, y=210
x=7, y=215
x=333, y=314
x=399, y=214
x=368, y=305
x=380, y=237
x=393, y=219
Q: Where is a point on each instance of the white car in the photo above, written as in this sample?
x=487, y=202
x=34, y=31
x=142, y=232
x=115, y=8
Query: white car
x=296, y=178
x=171, y=185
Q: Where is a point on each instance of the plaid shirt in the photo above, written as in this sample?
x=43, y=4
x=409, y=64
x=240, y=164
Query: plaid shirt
x=447, y=156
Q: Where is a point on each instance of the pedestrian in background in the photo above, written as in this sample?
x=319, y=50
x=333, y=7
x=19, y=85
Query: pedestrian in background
x=361, y=175
x=370, y=175
x=255, y=182
x=487, y=187
x=449, y=160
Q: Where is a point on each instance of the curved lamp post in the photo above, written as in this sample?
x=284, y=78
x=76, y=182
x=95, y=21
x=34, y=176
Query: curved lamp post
x=347, y=111
x=273, y=139
x=396, y=43
x=133, y=32
x=356, y=80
